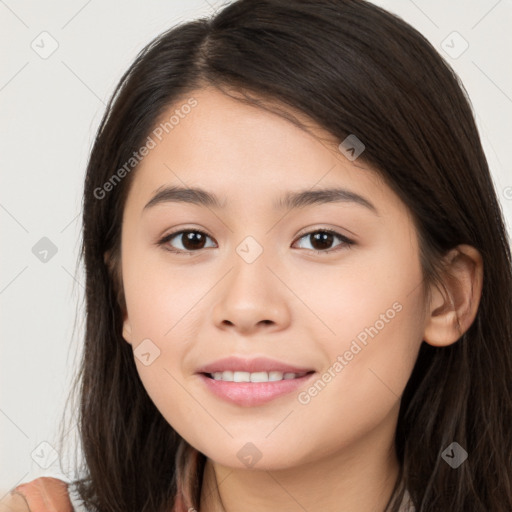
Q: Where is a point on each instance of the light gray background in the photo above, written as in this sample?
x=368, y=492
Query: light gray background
x=49, y=111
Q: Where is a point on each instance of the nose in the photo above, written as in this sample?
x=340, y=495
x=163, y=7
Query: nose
x=251, y=299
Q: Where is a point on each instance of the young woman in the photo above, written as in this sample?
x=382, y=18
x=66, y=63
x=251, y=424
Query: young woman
x=298, y=279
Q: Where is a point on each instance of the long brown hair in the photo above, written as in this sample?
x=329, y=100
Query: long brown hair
x=353, y=68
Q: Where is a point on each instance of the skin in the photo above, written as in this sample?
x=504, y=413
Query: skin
x=335, y=453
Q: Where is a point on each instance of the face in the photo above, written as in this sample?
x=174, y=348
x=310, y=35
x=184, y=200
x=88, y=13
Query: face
x=333, y=288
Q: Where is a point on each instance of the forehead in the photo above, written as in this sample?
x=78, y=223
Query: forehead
x=240, y=150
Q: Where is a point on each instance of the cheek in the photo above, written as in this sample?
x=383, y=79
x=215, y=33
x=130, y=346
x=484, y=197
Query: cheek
x=160, y=304
x=367, y=289
x=370, y=361
x=374, y=314
x=160, y=297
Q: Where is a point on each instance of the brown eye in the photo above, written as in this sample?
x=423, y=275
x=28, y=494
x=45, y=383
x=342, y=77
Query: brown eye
x=193, y=240
x=190, y=240
x=323, y=240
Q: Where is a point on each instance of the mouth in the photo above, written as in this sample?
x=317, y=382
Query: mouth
x=235, y=366
x=246, y=389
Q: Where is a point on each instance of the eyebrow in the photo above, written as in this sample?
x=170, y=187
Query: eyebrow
x=291, y=200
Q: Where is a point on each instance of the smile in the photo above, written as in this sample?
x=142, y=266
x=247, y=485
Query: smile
x=248, y=391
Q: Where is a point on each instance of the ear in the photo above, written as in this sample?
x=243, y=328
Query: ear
x=108, y=259
x=450, y=316
x=127, y=330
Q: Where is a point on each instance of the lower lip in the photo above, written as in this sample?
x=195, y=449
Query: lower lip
x=249, y=394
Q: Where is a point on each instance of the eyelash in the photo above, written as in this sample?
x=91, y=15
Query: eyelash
x=346, y=242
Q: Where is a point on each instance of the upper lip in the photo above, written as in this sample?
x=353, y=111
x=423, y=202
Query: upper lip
x=258, y=364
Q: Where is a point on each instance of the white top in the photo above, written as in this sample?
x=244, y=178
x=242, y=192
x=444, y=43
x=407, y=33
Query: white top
x=407, y=505
x=74, y=497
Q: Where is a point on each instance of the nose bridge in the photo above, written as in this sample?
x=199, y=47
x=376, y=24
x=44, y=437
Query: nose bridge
x=250, y=295
x=250, y=260
x=250, y=250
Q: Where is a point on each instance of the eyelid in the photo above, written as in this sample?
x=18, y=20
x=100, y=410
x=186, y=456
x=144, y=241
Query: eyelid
x=315, y=229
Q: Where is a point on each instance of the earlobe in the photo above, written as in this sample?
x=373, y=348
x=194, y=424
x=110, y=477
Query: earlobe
x=112, y=264
x=127, y=330
x=451, y=314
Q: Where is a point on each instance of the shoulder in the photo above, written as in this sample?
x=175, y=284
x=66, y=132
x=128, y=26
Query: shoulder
x=43, y=494
x=14, y=502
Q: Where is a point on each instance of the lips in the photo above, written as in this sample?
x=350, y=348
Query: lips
x=252, y=394
x=259, y=364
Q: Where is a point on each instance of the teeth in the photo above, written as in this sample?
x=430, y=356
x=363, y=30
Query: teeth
x=237, y=376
